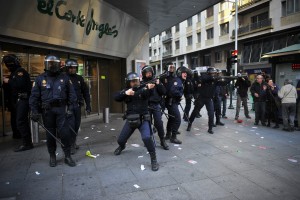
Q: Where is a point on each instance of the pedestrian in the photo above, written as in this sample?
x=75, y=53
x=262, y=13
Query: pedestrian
x=288, y=95
x=207, y=91
x=53, y=95
x=242, y=84
x=154, y=103
x=83, y=95
x=272, y=103
x=137, y=115
x=174, y=89
x=258, y=91
x=298, y=103
x=18, y=87
x=188, y=90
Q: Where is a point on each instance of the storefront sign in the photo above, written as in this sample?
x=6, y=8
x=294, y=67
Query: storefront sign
x=50, y=7
x=295, y=66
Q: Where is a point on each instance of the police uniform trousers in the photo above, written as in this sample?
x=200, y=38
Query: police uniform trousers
x=188, y=104
x=173, y=122
x=13, y=121
x=156, y=114
x=199, y=103
x=217, y=107
x=22, y=120
x=56, y=122
x=75, y=122
x=145, y=131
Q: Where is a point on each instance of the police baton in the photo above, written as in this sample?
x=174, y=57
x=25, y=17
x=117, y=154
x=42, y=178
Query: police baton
x=160, y=111
x=49, y=133
x=72, y=130
x=184, y=113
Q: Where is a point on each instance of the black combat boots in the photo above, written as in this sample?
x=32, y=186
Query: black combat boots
x=52, y=161
x=154, y=164
x=119, y=150
x=189, y=127
x=174, y=139
x=168, y=135
x=69, y=161
x=164, y=144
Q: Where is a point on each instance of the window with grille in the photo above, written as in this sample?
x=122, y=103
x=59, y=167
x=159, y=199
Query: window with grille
x=210, y=33
x=224, y=29
x=289, y=7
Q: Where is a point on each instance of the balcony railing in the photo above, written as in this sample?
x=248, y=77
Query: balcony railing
x=244, y=4
x=167, y=53
x=167, y=37
x=253, y=27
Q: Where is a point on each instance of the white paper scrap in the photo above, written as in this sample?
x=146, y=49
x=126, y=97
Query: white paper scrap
x=143, y=167
x=112, y=129
x=240, y=141
x=136, y=186
x=179, y=148
x=197, y=134
x=86, y=138
x=192, y=162
x=293, y=160
x=99, y=131
x=140, y=156
x=197, y=129
x=253, y=145
x=254, y=127
x=262, y=137
x=176, y=145
x=7, y=183
x=135, y=145
x=174, y=157
x=37, y=173
x=225, y=146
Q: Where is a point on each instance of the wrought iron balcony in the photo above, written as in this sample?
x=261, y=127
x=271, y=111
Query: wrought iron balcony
x=254, y=27
x=167, y=53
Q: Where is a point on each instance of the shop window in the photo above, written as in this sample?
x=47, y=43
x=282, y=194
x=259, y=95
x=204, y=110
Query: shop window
x=246, y=53
x=218, y=57
x=255, y=53
x=267, y=46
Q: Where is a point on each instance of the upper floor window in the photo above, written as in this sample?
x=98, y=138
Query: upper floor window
x=190, y=21
x=260, y=17
x=199, y=37
x=177, y=28
x=289, y=7
x=210, y=33
x=218, y=57
x=224, y=5
x=199, y=17
x=210, y=12
x=189, y=40
x=224, y=29
x=177, y=44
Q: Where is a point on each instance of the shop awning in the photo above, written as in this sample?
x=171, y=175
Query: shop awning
x=293, y=49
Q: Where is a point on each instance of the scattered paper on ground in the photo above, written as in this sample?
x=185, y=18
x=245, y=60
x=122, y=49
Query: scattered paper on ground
x=257, y=133
x=262, y=147
x=236, y=132
x=143, y=167
x=240, y=141
x=7, y=183
x=86, y=138
x=253, y=145
x=174, y=157
x=136, y=186
x=140, y=156
x=99, y=131
x=176, y=145
x=37, y=173
x=135, y=145
x=112, y=129
x=254, y=127
x=179, y=148
x=197, y=134
x=197, y=129
x=225, y=146
x=262, y=137
x=57, y=154
x=192, y=162
x=293, y=160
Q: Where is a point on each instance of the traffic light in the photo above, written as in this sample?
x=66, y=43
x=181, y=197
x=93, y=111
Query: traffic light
x=233, y=57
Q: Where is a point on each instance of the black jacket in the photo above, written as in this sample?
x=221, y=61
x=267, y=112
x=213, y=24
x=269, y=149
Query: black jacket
x=258, y=88
x=156, y=93
x=242, y=86
x=188, y=88
x=137, y=104
x=81, y=90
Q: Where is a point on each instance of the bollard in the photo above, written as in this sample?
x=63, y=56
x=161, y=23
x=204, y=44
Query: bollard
x=106, y=115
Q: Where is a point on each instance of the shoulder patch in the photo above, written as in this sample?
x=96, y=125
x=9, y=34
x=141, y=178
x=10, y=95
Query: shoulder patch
x=20, y=74
x=175, y=83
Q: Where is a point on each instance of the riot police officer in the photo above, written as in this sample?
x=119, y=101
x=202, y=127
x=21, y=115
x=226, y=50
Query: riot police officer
x=197, y=85
x=218, y=99
x=18, y=88
x=82, y=93
x=53, y=95
x=188, y=89
x=174, y=88
x=154, y=103
x=206, y=94
x=137, y=115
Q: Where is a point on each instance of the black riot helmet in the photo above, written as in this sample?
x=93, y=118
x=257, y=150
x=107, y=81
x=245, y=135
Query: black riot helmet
x=181, y=70
x=131, y=76
x=211, y=71
x=168, y=66
x=52, y=64
x=195, y=74
x=12, y=62
x=70, y=63
x=146, y=69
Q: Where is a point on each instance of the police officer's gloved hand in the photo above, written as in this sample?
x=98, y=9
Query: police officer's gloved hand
x=88, y=110
x=35, y=117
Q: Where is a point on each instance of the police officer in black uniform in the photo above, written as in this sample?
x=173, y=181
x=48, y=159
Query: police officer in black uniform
x=218, y=99
x=18, y=88
x=137, y=115
x=174, y=88
x=188, y=89
x=207, y=91
x=154, y=103
x=53, y=95
x=82, y=93
x=197, y=85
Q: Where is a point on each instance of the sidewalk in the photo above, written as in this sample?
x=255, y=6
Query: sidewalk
x=239, y=161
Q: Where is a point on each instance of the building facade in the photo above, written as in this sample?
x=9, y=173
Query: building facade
x=207, y=38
